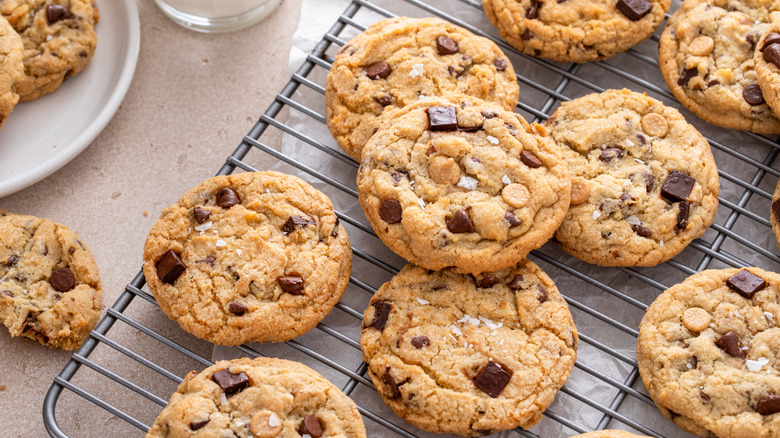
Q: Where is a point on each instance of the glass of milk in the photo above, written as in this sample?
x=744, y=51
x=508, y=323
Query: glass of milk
x=217, y=15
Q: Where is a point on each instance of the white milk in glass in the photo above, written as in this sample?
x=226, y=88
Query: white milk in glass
x=217, y=15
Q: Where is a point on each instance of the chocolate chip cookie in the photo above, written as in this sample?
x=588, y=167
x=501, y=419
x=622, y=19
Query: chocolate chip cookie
x=469, y=355
x=766, y=59
x=399, y=60
x=608, y=434
x=251, y=257
x=260, y=398
x=708, y=353
x=59, y=40
x=774, y=214
x=50, y=287
x=706, y=57
x=11, y=68
x=644, y=182
x=575, y=30
x=461, y=183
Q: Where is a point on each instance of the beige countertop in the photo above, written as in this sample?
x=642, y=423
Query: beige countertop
x=192, y=99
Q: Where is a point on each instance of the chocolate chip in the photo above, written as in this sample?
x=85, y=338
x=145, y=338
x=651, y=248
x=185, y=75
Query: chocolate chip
x=634, y=9
x=55, y=13
x=713, y=83
x=489, y=114
x=169, y=267
x=530, y=159
x=641, y=230
x=201, y=214
x=532, y=12
x=772, y=54
x=62, y=279
x=686, y=76
x=419, y=342
x=10, y=260
x=753, y=95
x=292, y=284
x=199, y=424
x=442, y=118
x=704, y=396
x=227, y=197
x=208, y=260
x=649, y=182
x=229, y=382
x=335, y=232
x=486, y=281
x=456, y=71
x=492, y=379
x=512, y=219
x=500, y=64
x=390, y=211
x=682, y=216
x=384, y=99
x=392, y=386
x=71, y=250
x=527, y=35
x=610, y=154
x=460, y=223
x=311, y=425
x=746, y=283
x=752, y=38
x=446, y=45
x=730, y=343
x=515, y=283
x=542, y=293
x=768, y=405
x=380, y=70
x=381, y=313
x=771, y=38
x=677, y=186
x=776, y=209
x=294, y=222
x=625, y=198
x=237, y=308
x=7, y=293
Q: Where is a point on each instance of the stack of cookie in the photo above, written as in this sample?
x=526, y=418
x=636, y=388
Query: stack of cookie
x=42, y=43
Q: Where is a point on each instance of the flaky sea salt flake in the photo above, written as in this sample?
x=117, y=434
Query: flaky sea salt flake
x=596, y=214
x=417, y=70
x=756, y=365
x=204, y=227
x=274, y=421
x=505, y=179
x=423, y=302
x=468, y=183
x=221, y=243
x=492, y=139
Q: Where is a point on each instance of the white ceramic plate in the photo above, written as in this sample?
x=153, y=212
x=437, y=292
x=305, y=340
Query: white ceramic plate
x=41, y=136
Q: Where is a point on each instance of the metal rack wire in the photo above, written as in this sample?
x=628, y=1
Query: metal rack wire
x=604, y=390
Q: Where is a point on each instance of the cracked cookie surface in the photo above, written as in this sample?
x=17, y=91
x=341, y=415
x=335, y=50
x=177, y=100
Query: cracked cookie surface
x=250, y=257
x=575, y=30
x=258, y=398
x=766, y=59
x=644, y=182
x=50, y=288
x=708, y=353
x=397, y=61
x=469, y=355
x=461, y=183
x=11, y=68
x=706, y=58
x=59, y=41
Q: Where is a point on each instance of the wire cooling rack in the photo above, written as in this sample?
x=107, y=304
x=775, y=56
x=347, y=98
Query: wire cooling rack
x=607, y=303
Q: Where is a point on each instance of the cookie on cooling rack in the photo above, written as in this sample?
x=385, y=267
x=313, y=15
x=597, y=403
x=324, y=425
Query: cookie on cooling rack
x=608, y=434
x=575, y=31
x=59, y=40
x=260, y=398
x=50, y=287
x=469, y=355
x=706, y=57
x=767, y=63
x=707, y=353
x=461, y=183
x=250, y=257
x=397, y=61
x=644, y=182
x=11, y=68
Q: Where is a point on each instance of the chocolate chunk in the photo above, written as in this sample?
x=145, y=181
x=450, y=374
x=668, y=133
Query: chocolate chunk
x=730, y=343
x=169, y=267
x=776, y=209
x=492, y=379
x=419, y=342
x=500, y=64
x=634, y=9
x=771, y=38
x=442, y=118
x=542, y=293
x=446, y=45
x=704, y=396
x=199, y=424
x=384, y=99
x=682, y=216
x=686, y=76
x=527, y=35
x=752, y=39
x=610, y=154
x=649, y=182
x=10, y=260
x=392, y=386
x=769, y=405
x=55, y=13
x=625, y=198
x=532, y=12
x=335, y=232
x=71, y=250
x=753, y=95
x=201, y=214
x=237, y=308
x=677, y=186
x=456, y=71
x=713, y=83
x=460, y=223
x=292, y=284
x=489, y=114
x=390, y=211
x=512, y=219
x=746, y=283
x=486, y=281
x=294, y=222
x=311, y=425
x=227, y=197
x=210, y=260
x=641, y=230
x=7, y=293
x=381, y=313
x=530, y=159
x=772, y=54
x=515, y=283
x=229, y=382
x=62, y=279
x=380, y=70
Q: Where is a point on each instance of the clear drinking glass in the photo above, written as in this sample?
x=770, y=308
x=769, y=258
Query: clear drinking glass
x=217, y=15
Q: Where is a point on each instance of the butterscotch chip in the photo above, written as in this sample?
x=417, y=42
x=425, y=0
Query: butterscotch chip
x=516, y=195
x=265, y=424
x=579, y=191
x=655, y=124
x=701, y=46
x=696, y=319
x=444, y=170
